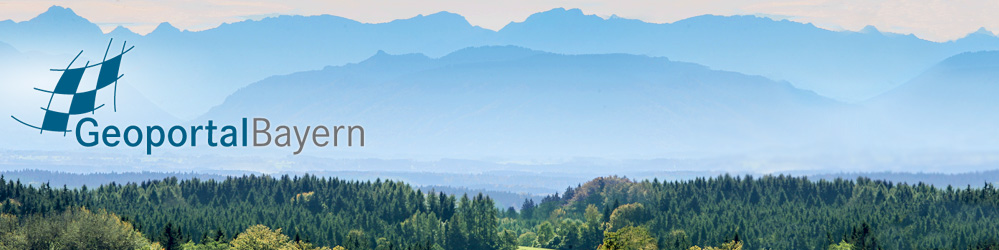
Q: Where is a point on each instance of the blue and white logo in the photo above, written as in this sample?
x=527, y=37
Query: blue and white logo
x=57, y=120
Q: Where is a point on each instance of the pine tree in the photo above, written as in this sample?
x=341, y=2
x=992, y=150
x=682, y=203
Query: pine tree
x=171, y=239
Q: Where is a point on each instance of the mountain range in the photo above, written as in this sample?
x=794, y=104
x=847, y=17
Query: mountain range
x=532, y=104
x=753, y=92
x=187, y=72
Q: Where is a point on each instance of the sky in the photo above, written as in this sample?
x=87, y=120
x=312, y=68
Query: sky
x=935, y=20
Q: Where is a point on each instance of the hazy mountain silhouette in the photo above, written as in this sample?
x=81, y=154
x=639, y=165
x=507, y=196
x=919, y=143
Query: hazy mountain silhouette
x=187, y=72
x=56, y=30
x=951, y=105
x=6, y=50
x=967, y=82
x=515, y=102
x=843, y=65
x=191, y=71
x=425, y=93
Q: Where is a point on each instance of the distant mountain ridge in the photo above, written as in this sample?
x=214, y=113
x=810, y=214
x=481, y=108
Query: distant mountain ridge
x=843, y=65
x=526, y=104
x=949, y=104
x=972, y=77
x=557, y=86
x=531, y=103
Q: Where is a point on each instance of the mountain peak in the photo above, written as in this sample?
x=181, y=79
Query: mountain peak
x=57, y=10
x=438, y=20
x=870, y=29
x=381, y=57
x=559, y=13
x=121, y=31
x=165, y=27
x=574, y=12
x=557, y=17
x=983, y=31
x=982, y=34
x=59, y=14
x=62, y=20
x=445, y=17
x=445, y=14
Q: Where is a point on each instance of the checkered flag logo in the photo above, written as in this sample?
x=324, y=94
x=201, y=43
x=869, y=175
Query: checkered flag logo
x=82, y=101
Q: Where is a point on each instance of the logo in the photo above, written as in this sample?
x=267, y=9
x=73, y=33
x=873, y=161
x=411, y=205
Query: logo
x=88, y=134
x=57, y=119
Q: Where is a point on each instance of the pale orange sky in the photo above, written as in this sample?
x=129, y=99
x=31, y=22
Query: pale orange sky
x=937, y=20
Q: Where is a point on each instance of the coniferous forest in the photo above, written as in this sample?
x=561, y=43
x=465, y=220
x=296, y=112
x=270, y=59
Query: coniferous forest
x=310, y=212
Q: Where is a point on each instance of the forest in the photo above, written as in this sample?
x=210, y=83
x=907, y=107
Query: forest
x=310, y=212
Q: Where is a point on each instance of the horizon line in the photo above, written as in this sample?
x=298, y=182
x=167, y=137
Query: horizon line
x=109, y=27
